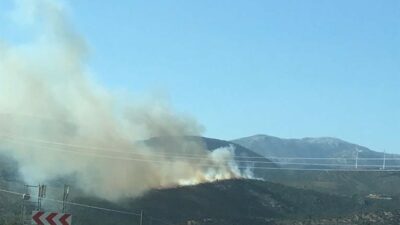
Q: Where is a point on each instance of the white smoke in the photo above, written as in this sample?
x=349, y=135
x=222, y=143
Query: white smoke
x=56, y=121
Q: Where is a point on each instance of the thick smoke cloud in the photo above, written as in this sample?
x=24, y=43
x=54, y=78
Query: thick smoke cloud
x=56, y=122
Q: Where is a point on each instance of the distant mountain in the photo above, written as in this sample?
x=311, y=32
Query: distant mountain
x=331, y=150
x=325, y=147
x=353, y=182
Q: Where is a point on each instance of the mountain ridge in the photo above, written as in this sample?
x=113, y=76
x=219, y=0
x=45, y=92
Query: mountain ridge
x=272, y=146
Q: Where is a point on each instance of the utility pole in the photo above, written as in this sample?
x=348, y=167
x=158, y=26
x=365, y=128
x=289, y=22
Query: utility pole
x=26, y=197
x=384, y=160
x=141, y=217
x=65, y=197
x=41, y=195
x=356, y=158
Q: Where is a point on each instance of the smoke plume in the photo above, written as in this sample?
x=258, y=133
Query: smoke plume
x=55, y=121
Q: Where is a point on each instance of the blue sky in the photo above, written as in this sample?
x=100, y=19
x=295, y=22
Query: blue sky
x=283, y=68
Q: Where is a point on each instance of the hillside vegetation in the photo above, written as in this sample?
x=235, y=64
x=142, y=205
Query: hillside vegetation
x=282, y=197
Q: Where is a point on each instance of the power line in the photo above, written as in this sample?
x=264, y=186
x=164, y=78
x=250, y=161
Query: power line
x=264, y=161
x=11, y=192
x=239, y=167
x=87, y=206
x=126, y=151
x=181, y=155
x=74, y=203
x=200, y=163
x=94, y=207
x=324, y=170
